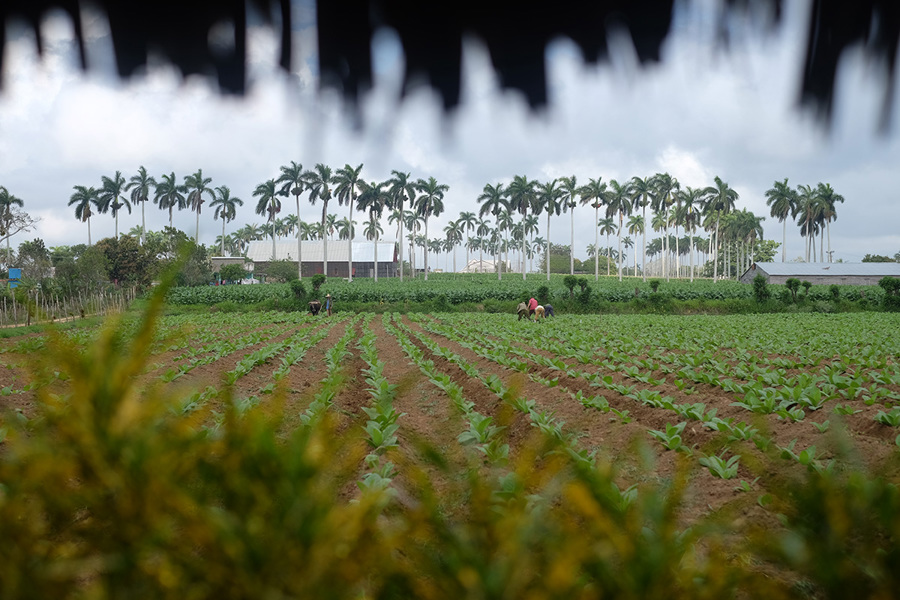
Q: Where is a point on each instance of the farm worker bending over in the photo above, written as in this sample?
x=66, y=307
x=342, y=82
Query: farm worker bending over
x=538, y=312
x=522, y=309
x=328, y=304
x=532, y=304
x=548, y=310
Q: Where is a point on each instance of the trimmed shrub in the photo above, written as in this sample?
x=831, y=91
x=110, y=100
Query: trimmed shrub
x=761, y=290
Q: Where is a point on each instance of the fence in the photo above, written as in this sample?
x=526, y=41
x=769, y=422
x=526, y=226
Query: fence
x=42, y=308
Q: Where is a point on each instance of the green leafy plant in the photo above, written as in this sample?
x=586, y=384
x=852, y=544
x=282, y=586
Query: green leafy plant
x=671, y=437
x=891, y=418
x=721, y=468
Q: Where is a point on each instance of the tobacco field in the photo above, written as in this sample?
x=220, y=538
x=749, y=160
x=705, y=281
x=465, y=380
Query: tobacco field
x=452, y=455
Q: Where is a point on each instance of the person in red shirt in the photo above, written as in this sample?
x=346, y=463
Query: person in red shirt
x=532, y=305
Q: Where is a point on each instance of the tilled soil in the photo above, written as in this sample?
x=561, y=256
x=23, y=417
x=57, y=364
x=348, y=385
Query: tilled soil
x=432, y=424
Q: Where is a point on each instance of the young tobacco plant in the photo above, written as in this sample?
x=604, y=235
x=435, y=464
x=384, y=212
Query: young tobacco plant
x=721, y=468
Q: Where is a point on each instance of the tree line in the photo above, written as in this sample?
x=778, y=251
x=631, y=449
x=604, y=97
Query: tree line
x=515, y=209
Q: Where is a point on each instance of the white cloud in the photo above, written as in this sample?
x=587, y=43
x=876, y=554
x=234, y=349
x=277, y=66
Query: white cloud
x=698, y=115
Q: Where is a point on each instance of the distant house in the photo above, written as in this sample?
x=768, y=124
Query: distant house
x=823, y=273
x=260, y=252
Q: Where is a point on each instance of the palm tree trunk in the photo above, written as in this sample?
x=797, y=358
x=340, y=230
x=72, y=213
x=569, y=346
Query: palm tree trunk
x=692, y=256
x=548, y=246
x=274, y=253
x=170, y=216
x=299, y=244
x=350, y=248
x=507, y=250
x=644, y=247
x=144, y=225
x=401, y=244
x=716, y=252
x=376, y=255
x=666, y=245
x=822, y=247
x=597, y=243
x=607, y=252
x=783, y=239
x=828, y=229
x=677, y=254
x=425, y=247
x=324, y=239
x=222, y=249
x=89, y=231
x=523, y=248
x=571, y=244
x=467, y=252
x=196, y=232
x=619, y=257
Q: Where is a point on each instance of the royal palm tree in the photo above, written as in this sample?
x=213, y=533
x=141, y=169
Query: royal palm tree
x=829, y=198
x=346, y=229
x=436, y=246
x=690, y=200
x=319, y=183
x=403, y=189
x=169, y=195
x=413, y=223
x=665, y=187
x=551, y=199
x=112, y=188
x=225, y=207
x=504, y=227
x=482, y=230
x=594, y=193
x=570, y=192
x=493, y=202
x=430, y=203
x=521, y=195
x=782, y=200
x=140, y=185
x=531, y=225
x=7, y=201
x=226, y=242
x=719, y=200
x=346, y=183
x=374, y=197
x=642, y=192
x=607, y=226
x=83, y=199
x=454, y=235
x=618, y=202
x=636, y=226
x=809, y=207
x=291, y=180
x=269, y=205
x=196, y=185
x=629, y=243
x=467, y=222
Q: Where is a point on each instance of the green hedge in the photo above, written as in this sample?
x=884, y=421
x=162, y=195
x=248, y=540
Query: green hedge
x=459, y=289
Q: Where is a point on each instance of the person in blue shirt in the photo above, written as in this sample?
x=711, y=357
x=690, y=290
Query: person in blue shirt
x=328, y=304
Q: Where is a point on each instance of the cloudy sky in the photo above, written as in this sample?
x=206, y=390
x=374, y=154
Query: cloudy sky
x=699, y=114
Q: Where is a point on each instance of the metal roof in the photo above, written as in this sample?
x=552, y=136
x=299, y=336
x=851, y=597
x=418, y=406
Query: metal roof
x=313, y=251
x=836, y=269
